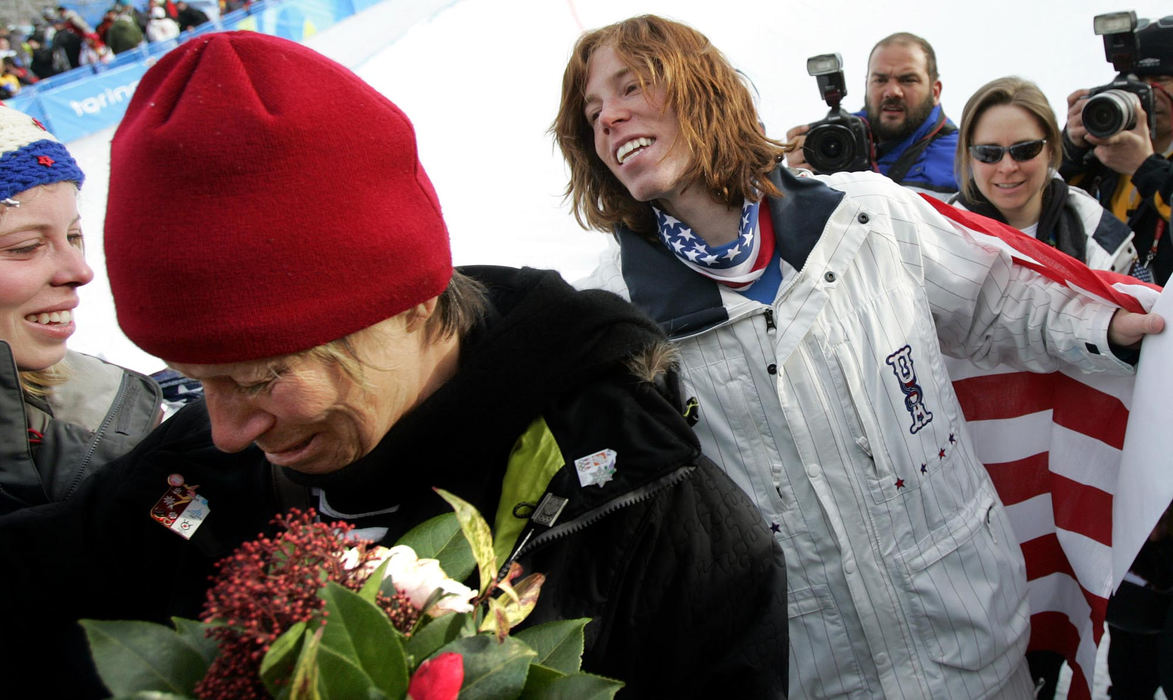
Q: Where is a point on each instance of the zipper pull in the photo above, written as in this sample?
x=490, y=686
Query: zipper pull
x=544, y=516
x=548, y=510
x=770, y=320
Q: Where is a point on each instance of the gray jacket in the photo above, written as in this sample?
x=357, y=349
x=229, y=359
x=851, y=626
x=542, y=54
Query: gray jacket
x=100, y=412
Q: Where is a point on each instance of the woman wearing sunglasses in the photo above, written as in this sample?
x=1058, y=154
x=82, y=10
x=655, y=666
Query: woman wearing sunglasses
x=1008, y=154
x=63, y=415
x=1007, y=157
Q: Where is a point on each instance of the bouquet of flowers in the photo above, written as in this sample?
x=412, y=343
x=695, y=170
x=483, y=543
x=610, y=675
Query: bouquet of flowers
x=310, y=613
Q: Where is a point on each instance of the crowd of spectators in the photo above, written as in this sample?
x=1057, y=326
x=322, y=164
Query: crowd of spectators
x=60, y=39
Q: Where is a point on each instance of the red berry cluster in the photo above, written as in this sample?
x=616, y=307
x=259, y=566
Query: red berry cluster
x=398, y=607
x=268, y=585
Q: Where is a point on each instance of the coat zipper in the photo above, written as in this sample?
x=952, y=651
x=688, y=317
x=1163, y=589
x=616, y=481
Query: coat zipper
x=117, y=407
x=536, y=535
x=753, y=308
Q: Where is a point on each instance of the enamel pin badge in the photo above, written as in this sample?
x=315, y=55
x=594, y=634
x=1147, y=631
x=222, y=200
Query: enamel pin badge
x=596, y=469
x=181, y=509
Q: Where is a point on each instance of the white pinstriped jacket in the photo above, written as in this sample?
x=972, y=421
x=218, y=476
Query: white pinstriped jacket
x=832, y=409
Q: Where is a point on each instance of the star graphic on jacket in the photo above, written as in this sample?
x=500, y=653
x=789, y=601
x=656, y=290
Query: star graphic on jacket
x=952, y=438
x=775, y=528
x=941, y=454
x=924, y=468
x=899, y=483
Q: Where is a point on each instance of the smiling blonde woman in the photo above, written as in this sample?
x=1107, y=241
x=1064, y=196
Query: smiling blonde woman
x=62, y=414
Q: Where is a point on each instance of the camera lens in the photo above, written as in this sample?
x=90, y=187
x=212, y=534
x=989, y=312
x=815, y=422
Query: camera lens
x=829, y=148
x=1108, y=113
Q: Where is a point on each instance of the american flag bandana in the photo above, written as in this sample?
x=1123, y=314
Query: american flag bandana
x=737, y=264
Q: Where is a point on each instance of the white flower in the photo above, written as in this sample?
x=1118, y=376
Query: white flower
x=349, y=558
x=419, y=578
x=377, y=555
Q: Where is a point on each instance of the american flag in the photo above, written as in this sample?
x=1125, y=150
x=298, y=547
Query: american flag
x=737, y=264
x=1052, y=444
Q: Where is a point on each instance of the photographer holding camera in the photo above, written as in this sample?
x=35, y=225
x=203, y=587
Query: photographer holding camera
x=1119, y=150
x=914, y=141
x=1118, y=145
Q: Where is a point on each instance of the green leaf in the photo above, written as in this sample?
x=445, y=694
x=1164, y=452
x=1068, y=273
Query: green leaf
x=360, y=632
x=341, y=678
x=279, y=661
x=370, y=587
x=132, y=655
x=579, y=686
x=476, y=531
x=304, y=684
x=435, y=634
x=496, y=621
x=507, y=611
x=558, y=644
x=540, y=677
x=441, y=538
x=491, y=670
x=196, y=634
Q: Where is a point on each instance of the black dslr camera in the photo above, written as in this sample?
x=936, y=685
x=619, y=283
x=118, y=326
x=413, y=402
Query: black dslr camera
x=840, y=141
x=1109, y=109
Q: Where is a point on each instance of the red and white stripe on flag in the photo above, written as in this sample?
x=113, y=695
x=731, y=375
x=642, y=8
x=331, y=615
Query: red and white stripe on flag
x=1052, y=445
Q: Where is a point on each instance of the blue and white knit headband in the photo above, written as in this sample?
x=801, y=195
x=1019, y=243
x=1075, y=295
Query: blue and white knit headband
x=31, y=156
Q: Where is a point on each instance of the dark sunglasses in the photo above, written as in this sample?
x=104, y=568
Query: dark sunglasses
x=1021, y=151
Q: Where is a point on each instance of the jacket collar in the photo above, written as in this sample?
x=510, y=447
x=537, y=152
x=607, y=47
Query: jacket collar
x=683, y=302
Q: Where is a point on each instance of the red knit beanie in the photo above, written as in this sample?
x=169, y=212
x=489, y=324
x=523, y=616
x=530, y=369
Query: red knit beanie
x=264, y=200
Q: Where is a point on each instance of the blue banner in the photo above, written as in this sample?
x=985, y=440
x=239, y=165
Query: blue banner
x=85, y=100
x=83, y=107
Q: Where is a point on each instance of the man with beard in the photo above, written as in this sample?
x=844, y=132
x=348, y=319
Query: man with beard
x=914, y=140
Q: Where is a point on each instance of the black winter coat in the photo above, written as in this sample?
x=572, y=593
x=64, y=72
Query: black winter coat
x=684, y=582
